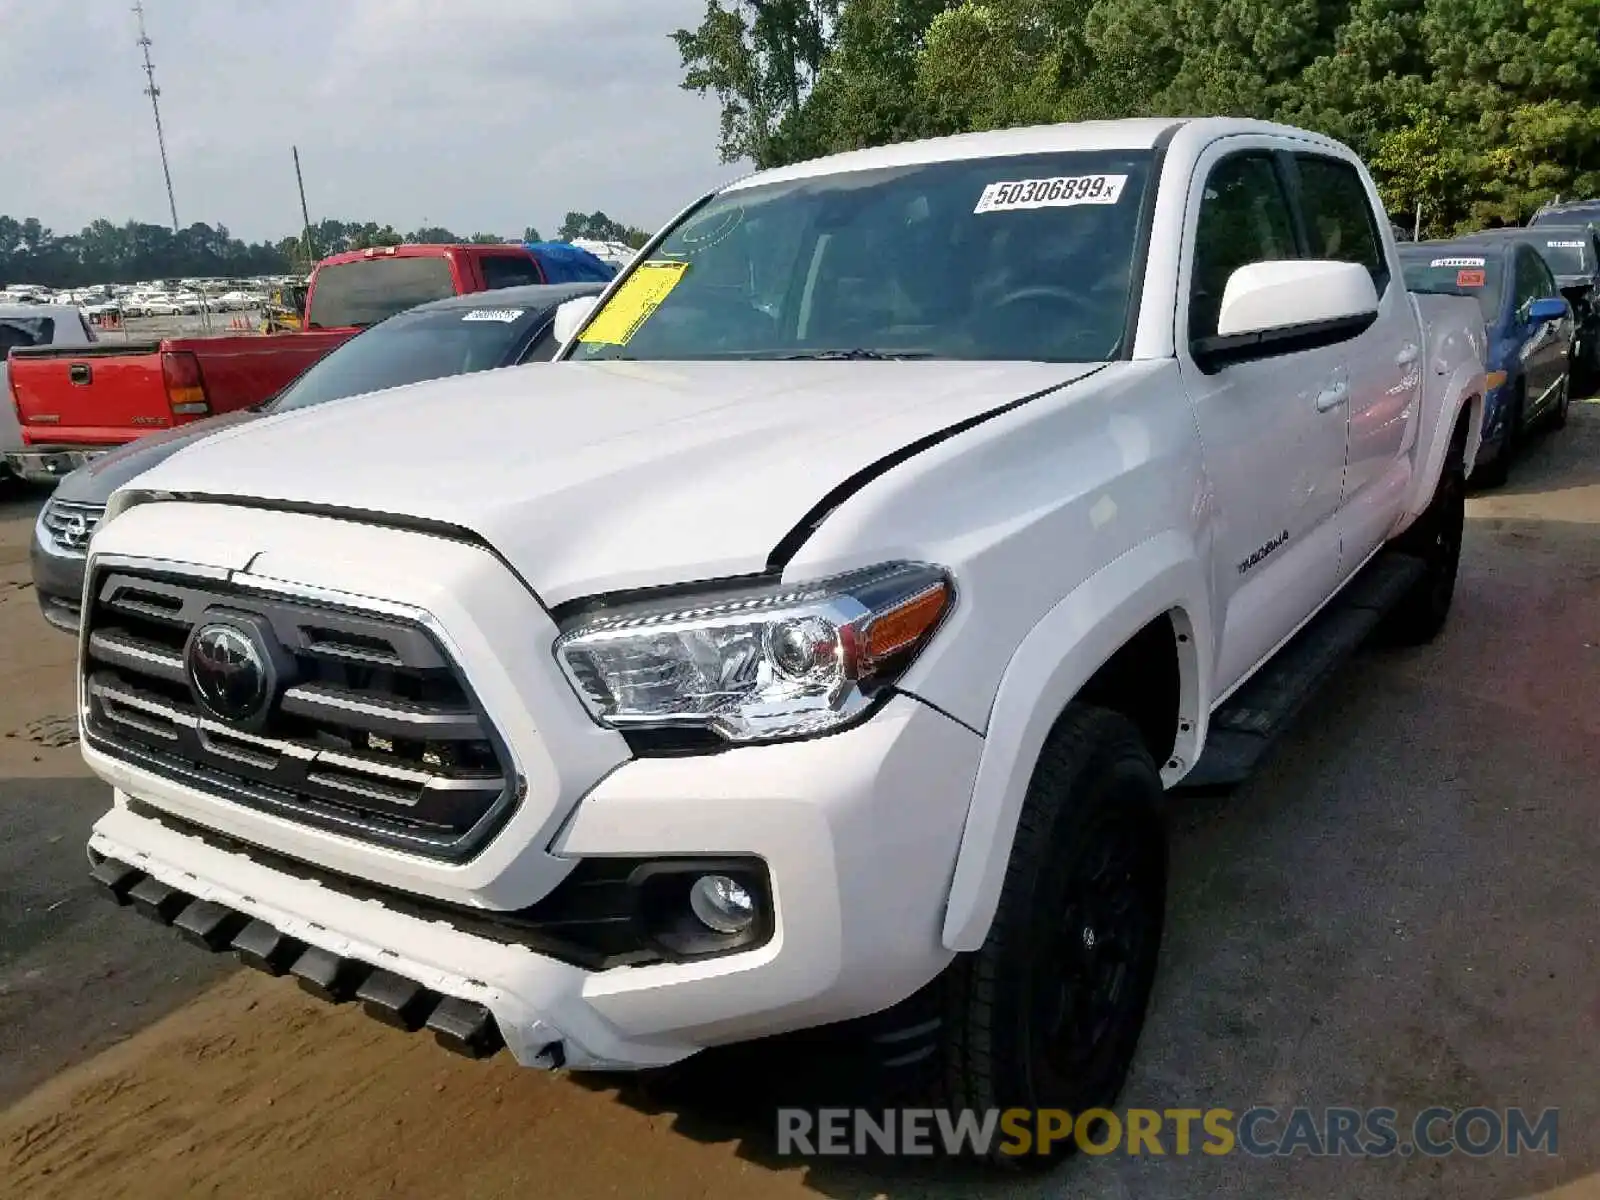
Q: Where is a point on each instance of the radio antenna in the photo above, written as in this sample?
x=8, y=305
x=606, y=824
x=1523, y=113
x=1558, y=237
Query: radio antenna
x=155, y=107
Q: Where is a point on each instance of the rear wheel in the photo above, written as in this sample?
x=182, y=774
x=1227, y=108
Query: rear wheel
x=1047, y=1013
x=1435, y=538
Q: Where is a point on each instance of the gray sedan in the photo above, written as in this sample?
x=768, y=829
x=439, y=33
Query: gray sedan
x=444, y=337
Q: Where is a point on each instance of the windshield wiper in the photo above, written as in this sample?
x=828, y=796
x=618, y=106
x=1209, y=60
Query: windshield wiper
x=856, y=354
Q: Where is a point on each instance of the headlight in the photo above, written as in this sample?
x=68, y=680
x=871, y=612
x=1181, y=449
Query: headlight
x=768, y=662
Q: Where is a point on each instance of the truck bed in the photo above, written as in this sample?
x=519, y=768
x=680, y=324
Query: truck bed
x=112, y=392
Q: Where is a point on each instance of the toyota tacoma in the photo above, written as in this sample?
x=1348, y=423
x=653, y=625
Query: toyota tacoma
x=819, y=633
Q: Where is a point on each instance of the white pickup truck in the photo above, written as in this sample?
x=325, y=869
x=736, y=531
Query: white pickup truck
x=821, y=633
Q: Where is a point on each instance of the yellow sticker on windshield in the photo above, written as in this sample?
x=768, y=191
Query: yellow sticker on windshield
x=631, y=305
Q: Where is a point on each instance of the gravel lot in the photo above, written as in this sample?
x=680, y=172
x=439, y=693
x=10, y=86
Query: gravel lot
x=1400, y=909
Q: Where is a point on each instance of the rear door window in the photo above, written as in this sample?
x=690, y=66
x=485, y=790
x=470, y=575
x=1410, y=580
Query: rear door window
x=20, y=333
x=508, y=270
x=373, y=289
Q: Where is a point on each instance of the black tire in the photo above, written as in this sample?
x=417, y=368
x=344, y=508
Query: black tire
x=1081, y=909
x=1435, y=538
x=1497, y=472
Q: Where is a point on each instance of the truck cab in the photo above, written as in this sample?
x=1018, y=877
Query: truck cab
x=362, y=287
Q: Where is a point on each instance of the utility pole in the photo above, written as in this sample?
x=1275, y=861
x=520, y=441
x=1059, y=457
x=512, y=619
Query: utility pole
x=305, y=213
x=155, y=107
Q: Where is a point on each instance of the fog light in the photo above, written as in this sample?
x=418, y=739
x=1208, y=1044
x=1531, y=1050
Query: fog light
x=722, y=904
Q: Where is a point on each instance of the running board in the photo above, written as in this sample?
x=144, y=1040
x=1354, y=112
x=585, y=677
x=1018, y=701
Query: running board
x=1244, y=729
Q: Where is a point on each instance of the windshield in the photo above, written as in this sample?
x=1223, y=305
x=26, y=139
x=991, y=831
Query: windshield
x=413, y=347
x=1577, y=215
x=1565, y=256
x=1025, y=257
x=366, y=292
x=1446, y=272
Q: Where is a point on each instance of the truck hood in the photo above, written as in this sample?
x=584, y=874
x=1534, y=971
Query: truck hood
x=595, y=477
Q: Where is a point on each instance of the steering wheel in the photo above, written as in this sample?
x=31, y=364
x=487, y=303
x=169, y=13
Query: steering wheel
x=1050, y=295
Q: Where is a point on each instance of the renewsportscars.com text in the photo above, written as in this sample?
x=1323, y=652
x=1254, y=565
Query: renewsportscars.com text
x=1260, y=1132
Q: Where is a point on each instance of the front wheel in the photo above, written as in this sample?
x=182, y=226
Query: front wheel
x=1047, y=1013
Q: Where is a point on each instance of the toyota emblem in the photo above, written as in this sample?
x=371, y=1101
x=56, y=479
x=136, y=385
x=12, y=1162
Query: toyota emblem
x=74, y=532
x=228, y=670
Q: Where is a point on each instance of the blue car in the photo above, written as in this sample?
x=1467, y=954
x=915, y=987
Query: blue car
x=1530, y=327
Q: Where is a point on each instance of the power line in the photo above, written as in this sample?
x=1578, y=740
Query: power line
x=155, y=107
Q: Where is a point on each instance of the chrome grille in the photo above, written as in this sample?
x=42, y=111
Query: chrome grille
x=70, y=524
x=372, y=731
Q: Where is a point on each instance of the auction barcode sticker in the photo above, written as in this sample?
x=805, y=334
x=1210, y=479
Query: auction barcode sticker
x=507, y=315
x=1063, y=191
x=1457, y=262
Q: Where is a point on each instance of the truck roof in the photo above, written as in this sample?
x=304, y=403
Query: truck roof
x=1137, y=133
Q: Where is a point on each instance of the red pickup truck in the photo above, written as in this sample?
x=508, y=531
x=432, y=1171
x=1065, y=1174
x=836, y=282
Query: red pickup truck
x=76, y=402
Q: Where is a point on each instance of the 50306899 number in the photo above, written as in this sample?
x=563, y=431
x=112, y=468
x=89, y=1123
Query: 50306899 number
x=1062, y=191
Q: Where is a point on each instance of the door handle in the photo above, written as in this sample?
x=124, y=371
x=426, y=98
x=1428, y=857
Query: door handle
x=1332, y=396
x=1408, y=355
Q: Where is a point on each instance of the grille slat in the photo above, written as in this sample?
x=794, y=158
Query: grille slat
x=373, y=731
x=118, y=648
x=395, y=718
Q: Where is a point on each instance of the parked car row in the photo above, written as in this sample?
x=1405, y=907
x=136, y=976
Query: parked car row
x=815, y=637
x=1536, y=287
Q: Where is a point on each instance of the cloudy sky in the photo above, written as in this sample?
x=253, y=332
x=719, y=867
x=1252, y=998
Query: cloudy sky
x=474, y=114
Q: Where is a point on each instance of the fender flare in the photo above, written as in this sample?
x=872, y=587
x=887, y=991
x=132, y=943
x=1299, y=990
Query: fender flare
x=1051, y=665
x=1464, y=388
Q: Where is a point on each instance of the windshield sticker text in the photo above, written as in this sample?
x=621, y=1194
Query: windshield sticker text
x=507, y=315
x=632, y=304
x=1564, y=245
x=1459, y=262
x=1471, y=278
x=1060, y=192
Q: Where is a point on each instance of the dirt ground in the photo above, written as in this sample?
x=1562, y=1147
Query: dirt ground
x=1400, y=909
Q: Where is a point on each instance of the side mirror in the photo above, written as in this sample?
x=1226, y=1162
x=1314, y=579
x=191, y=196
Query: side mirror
x=1553, y=308
x=570, y=317
x=1277, y=297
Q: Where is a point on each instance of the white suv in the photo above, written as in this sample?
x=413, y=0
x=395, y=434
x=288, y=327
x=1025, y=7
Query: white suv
x=826, y=626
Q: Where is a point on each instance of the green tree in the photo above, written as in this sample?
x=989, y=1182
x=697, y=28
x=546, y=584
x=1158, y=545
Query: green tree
x=761, y=58
x=1474, y=108
x=531, y=234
